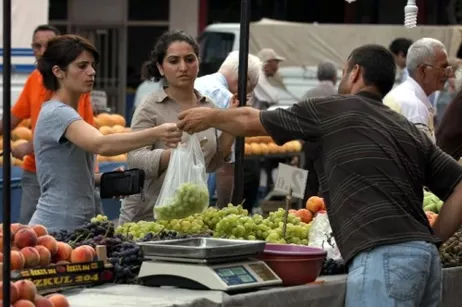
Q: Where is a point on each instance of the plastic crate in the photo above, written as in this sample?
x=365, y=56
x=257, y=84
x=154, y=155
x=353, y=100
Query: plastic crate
x=16, y=192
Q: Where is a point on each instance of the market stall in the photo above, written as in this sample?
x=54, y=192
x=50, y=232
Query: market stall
x=327, y=291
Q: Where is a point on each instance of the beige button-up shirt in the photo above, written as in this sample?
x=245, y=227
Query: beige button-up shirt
x=156, y=109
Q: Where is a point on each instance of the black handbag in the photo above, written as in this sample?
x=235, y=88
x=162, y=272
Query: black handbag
x=116, y=184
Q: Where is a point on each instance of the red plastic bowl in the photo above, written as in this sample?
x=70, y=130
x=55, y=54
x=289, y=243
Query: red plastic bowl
x=294, y=264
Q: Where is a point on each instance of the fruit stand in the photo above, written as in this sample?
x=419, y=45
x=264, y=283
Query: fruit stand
x=118, y=283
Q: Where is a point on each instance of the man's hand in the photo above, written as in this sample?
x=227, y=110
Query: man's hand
x=22, y=150
x=195, y=119
x=234, y=103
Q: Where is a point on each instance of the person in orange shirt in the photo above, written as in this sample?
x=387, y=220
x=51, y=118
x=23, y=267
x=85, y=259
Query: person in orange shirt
x=28, y=105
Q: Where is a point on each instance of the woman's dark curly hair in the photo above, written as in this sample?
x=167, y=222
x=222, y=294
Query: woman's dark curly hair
x=160, y=49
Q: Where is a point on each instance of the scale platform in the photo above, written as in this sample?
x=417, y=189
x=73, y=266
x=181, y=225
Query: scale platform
x=206, y=264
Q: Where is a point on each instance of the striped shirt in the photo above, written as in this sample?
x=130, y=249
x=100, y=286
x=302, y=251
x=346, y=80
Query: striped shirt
x=372, y=168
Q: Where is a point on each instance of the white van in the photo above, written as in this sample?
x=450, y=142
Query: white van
x=218, y=40
x=306, y=45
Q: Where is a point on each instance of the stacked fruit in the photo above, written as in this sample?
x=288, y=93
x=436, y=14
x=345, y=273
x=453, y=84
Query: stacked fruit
x=451, y=251
x=20, y=135
x=264, y=145
x=34, y=247
x=431, y=202
x=109, y=124
x=231, y=222
x=123, y=253
x=23, y=293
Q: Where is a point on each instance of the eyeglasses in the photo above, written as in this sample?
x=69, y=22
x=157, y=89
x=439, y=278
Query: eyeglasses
x=447, y=70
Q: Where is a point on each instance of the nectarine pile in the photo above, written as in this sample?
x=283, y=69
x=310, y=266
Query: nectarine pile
x=23, y=293
x=32, y=246
x=21, y=134
x=264, y=145
x=109, y=124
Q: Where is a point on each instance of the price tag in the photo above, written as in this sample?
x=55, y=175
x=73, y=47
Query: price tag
x=99, y=100
x=290, y=177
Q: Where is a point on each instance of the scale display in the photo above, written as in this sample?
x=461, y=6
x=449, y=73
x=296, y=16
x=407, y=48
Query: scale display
x=235, y=275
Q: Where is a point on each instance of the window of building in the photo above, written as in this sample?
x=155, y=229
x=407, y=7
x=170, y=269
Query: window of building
x=148, y=10
x=57, y=10
x=144, y=38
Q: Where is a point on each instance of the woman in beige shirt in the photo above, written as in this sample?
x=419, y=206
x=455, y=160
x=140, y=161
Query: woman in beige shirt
x=175, y=61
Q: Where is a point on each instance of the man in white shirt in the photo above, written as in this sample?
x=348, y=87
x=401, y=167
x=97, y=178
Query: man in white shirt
x=265, y=93
x=220, y=87
x=428, y=67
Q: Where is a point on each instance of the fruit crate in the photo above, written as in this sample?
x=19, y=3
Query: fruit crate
x=61, y=277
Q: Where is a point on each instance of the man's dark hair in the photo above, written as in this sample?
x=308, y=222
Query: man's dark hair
x=400, y=45
x=378, y=66
x=47, y=28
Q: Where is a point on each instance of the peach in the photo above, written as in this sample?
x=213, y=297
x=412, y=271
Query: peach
x=21, y=226
x=23, y=303
x=40, y=230
x=45, y=255
x=27, y=289
x=31, y=255
x=81, y=254
x=58, y=300
x=63, y=262
x=315, y=204
x=49, y=242
x=92, y=250
x=14, y=227
x=14, y=292
x=25, y=237
x=64, y=252
x=17, y=260
x=1, y=257
x=41, y=301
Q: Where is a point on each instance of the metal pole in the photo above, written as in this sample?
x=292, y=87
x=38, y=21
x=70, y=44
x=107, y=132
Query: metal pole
x=6, y=150
x=242, y=94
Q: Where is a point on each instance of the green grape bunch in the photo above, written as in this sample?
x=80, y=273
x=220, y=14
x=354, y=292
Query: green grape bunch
x=189, y=198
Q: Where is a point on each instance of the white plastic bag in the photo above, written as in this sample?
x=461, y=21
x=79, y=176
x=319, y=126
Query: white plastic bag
x=321, y=236
x=184, y=191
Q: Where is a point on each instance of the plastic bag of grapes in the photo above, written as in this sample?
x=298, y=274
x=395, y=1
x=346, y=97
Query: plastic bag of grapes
x=184, y=191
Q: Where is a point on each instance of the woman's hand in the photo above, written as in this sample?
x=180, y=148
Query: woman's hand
x=169, y=133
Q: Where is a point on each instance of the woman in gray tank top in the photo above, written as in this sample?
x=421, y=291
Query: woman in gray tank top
x=65, y=145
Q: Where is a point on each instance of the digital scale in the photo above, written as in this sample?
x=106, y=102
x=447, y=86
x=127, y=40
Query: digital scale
x=206, y=264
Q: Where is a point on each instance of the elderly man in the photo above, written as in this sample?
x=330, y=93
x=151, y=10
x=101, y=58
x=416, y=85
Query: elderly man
x=428, y=67
x=265, y=94
x=221, y=86
x=327, y=77
x=373, y=169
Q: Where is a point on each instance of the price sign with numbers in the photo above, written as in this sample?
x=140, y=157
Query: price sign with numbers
x=291, y=178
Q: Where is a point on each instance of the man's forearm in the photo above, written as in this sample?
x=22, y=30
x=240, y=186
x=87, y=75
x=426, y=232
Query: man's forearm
x=450, y=217
x=242, y=121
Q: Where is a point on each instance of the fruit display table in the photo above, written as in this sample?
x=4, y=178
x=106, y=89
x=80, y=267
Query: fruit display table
x=326, y=291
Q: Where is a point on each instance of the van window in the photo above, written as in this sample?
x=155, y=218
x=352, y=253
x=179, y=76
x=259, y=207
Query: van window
x=215, y=47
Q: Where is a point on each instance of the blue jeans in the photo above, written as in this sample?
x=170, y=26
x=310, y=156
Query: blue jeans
x=400, y=275
x=212, y=185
